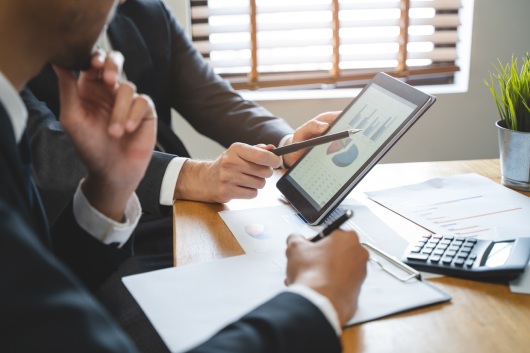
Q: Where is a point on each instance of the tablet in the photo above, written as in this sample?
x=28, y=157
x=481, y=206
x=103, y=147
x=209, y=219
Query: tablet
x=385, y=109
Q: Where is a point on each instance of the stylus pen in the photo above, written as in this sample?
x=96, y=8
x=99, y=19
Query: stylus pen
x=333, y=226
x=280, y=151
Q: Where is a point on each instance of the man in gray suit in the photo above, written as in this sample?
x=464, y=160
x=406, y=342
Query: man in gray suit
x=162, y=62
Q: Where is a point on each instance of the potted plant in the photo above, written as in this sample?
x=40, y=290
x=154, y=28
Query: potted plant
x=509, y=85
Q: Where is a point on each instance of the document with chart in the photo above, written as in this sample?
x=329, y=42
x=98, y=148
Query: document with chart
x=467, y=205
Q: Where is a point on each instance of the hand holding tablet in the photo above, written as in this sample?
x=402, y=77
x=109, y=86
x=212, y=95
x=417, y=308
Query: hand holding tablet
x=384, y=110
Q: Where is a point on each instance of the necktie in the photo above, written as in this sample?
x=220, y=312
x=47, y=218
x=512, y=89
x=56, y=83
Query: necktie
x=35, y=203
x=25, y=157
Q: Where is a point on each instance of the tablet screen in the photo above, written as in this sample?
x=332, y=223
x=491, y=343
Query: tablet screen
x=384, y=110
x=379, y=113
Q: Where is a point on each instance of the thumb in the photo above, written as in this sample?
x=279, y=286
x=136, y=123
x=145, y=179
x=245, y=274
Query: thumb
x=294, y=238
x=67, y=86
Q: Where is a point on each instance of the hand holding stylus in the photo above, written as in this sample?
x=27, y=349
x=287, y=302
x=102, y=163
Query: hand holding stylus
x=314, y=142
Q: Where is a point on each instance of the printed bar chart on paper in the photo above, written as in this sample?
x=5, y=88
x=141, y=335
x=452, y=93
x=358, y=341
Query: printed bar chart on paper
x=467, y=205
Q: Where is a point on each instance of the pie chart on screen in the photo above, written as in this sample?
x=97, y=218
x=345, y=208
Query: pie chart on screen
x=257, y=231
x=338, y=145
x=344, y=159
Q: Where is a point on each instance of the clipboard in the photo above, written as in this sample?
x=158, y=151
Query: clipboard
x=392, y=287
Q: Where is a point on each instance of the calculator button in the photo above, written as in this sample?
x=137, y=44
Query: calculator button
x=426, y=251
x=427, y=236
x=469, y=263
x=438, y=252
x=419, y=257
x=430, y=246
x=416, y=249
x=449, y=237
x=459, y=262
x=442, y=246
x=450, y=253
x=437, y=237
x=467, y=247
x=473, y=256
x=457, y=243
x=453, y=248
x=471, y=240
x=462, y=255
x=435, y=258
x=446, y=242
x=447, y=260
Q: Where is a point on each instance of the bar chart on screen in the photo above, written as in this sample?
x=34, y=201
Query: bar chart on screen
x=466, y=205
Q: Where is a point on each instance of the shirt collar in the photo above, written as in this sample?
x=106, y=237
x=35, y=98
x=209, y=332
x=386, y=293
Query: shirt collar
x=13, y=104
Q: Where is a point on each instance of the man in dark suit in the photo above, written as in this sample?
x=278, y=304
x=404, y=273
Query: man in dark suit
x=44, y=305
x=162, y=62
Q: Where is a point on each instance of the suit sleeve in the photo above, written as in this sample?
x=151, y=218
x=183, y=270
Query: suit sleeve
x=288, y=323
x=91, y=260
x=44, y=308
x=57, y=168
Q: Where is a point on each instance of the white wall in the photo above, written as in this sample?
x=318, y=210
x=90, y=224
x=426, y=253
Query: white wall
x=459, y=125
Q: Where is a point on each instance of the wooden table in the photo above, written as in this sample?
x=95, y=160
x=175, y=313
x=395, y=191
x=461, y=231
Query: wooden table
x=482, y=317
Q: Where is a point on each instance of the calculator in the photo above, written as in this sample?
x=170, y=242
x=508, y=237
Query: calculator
x=469, y=257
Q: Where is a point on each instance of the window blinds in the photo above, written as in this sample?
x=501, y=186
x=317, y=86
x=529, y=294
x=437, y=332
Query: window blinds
x=315, y=43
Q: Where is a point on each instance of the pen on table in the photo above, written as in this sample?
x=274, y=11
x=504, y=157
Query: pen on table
x=333, y=226
x=313, y=142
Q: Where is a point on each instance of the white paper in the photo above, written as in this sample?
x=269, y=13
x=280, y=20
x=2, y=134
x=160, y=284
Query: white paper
x=188, y=304
x=463, y=205
x=278, y=222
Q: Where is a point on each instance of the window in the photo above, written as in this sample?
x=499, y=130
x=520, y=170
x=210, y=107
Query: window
x=320, y=43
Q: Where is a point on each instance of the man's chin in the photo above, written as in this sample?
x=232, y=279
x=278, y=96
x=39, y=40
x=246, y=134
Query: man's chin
x=79, y=63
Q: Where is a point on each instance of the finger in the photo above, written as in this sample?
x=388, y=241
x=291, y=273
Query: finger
x=294, y=238
x=258, y=155
x=122, y=105
x=315, y=127
x=94, y=72
x=98, y=59
x=139, y=111
x=67, y=85
x=328, y=117
x=266, y=147
x=112, y=68
x=311, y=129
x=246, y=181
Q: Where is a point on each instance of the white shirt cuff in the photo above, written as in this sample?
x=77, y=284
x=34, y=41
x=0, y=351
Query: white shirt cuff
x=167, y=190
x=102, y=227
x=321, y=302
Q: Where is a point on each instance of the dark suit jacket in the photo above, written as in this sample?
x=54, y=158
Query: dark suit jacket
x=162, y=62
x=45, y=308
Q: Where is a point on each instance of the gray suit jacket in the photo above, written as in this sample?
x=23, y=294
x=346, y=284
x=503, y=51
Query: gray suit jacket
x=162, y=62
